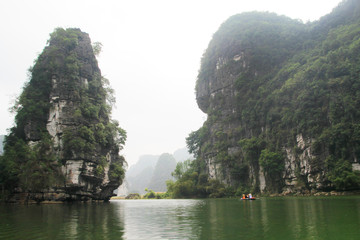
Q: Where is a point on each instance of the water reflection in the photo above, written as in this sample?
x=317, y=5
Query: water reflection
x=267, y=218
x=232, y=219
x=310, y=218
x=63, y=221
x=282, y=218
x=160, y=219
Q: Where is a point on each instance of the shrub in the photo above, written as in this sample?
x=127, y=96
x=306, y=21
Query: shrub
x=133, y=196
x=150, y=194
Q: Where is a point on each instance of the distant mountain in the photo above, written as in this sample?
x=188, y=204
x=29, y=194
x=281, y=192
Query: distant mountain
x=182, y=154
x=139, y=175
x=162, y=172
x=138, y=183
x=143, y=162
x=152, y=171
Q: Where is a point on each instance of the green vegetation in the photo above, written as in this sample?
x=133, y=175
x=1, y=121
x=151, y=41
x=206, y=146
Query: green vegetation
x=29, y=167
x=190, y=184
x=133, y=196
x=341, y=175
x=292, y=80
x=31, y=160
x=150, y=194
x=273, y=165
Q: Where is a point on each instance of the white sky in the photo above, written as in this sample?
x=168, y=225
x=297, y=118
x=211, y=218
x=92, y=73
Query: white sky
x=151, y=55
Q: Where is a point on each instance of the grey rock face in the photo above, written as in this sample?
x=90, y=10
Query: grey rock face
x=86, y=143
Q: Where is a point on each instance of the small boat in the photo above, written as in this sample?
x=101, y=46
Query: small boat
x=253, y=198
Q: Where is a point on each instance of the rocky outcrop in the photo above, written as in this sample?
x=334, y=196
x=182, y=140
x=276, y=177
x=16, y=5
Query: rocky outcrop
x=265, y=130
x=219, y=94
x=84, y=142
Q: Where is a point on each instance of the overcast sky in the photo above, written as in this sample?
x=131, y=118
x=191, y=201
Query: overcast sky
x=151, y=55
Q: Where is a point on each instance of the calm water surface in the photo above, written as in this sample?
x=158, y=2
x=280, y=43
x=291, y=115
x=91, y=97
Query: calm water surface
x=266, y=218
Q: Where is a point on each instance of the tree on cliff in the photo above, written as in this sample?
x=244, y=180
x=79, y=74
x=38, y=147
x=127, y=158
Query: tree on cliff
x=62, y=117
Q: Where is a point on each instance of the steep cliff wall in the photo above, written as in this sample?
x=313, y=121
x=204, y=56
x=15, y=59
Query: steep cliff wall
x=282, y=102
x=62, y=123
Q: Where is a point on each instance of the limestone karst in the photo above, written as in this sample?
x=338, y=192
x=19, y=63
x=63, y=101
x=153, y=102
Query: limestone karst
x=282, y=99
x=64, y=146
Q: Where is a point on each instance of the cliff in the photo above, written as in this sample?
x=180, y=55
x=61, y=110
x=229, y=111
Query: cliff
x=282, y=100
x=64, y=147
x=162, y=172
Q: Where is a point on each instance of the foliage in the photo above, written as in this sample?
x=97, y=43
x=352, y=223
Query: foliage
x=30, y=168
x=116, y=172
x=341, y=174
x=181, y=168
x=190, y=184
x=252, y=148
x=133, y=196
x=288, y=79
x=100, y=168
x=97, y=46
x=149, y=193
x=163, y=195
x=90, y=134
x=195, y=140
x=8, y=164
x=83, y=139
x=273, y=166
x=272, y=162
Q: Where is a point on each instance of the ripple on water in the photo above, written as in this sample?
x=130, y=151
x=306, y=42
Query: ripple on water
x=267, y=218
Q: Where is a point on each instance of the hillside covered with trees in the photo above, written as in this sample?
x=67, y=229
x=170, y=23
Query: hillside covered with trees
x=283, y=105
x=64, y=146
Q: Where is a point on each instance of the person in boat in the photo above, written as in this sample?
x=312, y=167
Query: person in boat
x=250, y=195
x=243, y=196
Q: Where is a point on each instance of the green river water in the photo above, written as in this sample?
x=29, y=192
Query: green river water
x=265, y=218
